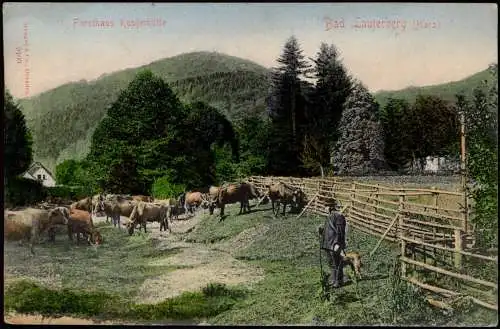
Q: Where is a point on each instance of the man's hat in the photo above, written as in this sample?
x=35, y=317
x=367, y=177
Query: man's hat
x=333, y=206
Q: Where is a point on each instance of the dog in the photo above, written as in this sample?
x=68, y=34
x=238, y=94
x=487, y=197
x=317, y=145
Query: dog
x=353, y=259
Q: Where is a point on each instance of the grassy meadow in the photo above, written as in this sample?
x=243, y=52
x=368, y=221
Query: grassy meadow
x=102, y=283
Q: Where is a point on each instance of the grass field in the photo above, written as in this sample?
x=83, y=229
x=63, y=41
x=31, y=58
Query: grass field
x=252, y=269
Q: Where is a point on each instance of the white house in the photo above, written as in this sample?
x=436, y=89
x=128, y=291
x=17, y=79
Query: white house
x=38, y=172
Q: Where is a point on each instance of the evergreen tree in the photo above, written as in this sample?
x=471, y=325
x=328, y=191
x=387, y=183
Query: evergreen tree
x=287, y=109
x=360, y=148
x=325, y=106
x=333, y=87
x=17, y=140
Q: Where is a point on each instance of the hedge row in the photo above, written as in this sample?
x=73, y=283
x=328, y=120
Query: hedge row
x=21, y=191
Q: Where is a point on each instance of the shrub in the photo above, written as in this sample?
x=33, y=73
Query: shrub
x=70, y=192
x=163, y=188
x=23, y=191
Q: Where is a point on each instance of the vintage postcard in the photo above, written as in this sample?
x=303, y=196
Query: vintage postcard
x=251, y=163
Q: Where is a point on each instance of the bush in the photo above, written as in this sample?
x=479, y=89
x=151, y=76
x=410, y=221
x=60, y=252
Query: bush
x=70, y=192
x=23, y=192
x=163, y=189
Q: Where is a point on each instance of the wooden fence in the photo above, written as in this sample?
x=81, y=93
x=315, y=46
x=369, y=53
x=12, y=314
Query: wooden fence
x=430, y=225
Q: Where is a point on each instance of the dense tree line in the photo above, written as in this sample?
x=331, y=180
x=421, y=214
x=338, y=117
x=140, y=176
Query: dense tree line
x=429, y=127
x=310, y=128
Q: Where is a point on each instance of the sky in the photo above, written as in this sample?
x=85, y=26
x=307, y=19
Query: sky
x=409, y=44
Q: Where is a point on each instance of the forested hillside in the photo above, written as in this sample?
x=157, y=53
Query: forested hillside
x=445, y=91
x=63, y=119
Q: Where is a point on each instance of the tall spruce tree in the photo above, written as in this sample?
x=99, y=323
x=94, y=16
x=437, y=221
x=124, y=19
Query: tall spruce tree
x=360, y=148
x=287, y=110
x=326, y=103
x=333, y=87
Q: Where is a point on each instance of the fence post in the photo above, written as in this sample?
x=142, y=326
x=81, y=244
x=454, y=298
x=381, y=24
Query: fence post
x=434, y=229
x=401, y=234
x=353, y=188
x=316, y=207
x=458, y=248
x=376, y=198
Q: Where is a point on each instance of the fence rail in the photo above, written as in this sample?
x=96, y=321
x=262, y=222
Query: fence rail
x=430, y=225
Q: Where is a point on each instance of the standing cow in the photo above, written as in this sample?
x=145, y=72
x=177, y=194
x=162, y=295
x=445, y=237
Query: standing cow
x=30, y=223
x=148, y=212
x=284, y=194
x=191, y=201
x=233, y=193
x=117, y=207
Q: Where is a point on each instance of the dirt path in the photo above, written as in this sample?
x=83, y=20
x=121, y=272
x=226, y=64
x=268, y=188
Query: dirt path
x=16, y=318
x=202, y=265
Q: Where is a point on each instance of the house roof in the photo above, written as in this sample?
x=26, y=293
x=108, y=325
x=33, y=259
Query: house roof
x=36, y=165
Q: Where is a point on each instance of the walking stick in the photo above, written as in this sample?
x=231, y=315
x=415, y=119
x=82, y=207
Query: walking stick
x=324, y=293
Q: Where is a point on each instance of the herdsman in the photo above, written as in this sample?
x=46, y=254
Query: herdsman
x=333, y=240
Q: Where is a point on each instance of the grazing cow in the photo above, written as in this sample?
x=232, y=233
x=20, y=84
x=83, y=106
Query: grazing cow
x=144, y=198
x=284, y=194
x=231, y=194
x=148, y=212
x=117, y=208
x=30, y=223
x=191, y=200
x=80, y=222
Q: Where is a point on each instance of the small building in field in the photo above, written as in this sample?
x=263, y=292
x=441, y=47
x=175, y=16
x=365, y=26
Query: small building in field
x=38, y=172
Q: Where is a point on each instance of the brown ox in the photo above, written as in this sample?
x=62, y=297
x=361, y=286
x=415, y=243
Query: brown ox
x=117, y=207
x=284, y=194
x=213, y=193
x=148, y=212
x=29, y=224
x=234, y=193
x=84, y=204
x=191, y=200
x=112, y=198
x=80, y=222
x=144, y=198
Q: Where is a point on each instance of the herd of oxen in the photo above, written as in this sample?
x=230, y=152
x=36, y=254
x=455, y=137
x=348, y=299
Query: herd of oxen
x=30, y=223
